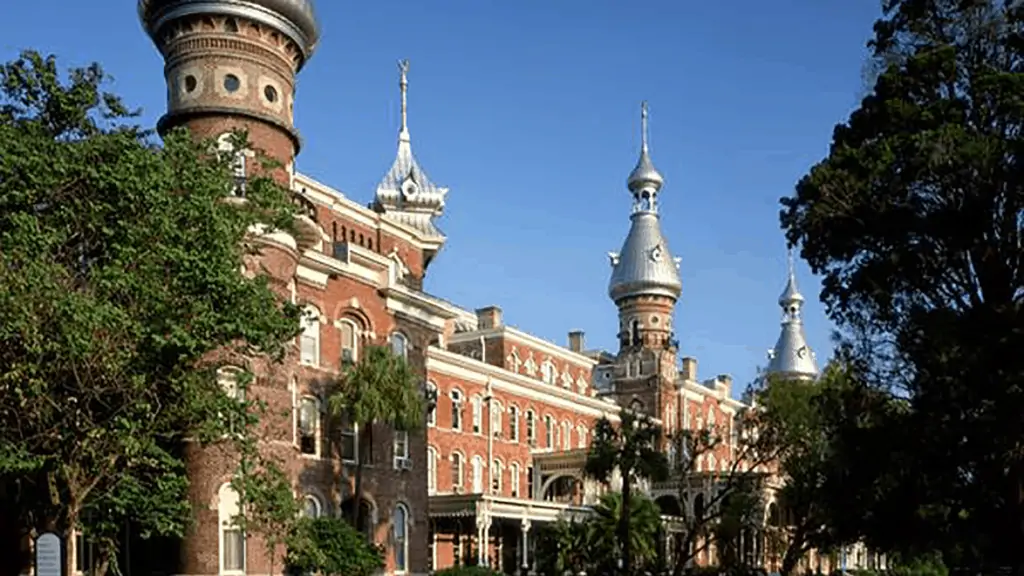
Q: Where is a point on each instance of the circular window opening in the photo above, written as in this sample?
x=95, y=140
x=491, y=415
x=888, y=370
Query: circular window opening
x=270, y=93
x=232, y=83
x=191, y=83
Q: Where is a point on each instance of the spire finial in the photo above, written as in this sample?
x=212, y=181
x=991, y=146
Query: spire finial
x=643, y=126
x=791, y=264
x=403, y=83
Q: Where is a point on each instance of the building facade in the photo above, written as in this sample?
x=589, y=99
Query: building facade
x=503, y=445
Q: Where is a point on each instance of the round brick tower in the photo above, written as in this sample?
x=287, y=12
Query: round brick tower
x=231, y=65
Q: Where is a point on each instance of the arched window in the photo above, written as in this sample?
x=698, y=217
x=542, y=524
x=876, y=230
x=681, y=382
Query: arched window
x=711, y=418
x=513, y=423
x=547, y=372
x=431, y=404
x=478, y=475
x=634, y=332
x=566, y=436
x=400, y=345
x=456, y=410
x=309, y=426
x=431, y=469
x=232, y=539
x=698, y=507
x=513, y=477
x=401, y=451
x=531, y=428
x=349, y=341
x=312, y=507
x=400, y=527
x=457, y=465
x=581, y=436
x=309, y=340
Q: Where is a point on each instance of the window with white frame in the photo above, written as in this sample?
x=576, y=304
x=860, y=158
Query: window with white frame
x=478, y=414
x=456, y=410
x=531, y=427
x=309, y=339
x=312, y=507
x=513, y=423
x=496, y=411
x=513, y=477
x=349, y=443
x=232, y=538
x=432, y=404
x=400, y=345
x=496, y=471
x=547, y=372
x=400, y=527
x=457, y=470
x=402, y=460
x=566, y=436
x=581, y=436
x=478, y=475
x=309, y=426
x=349, y=333
x=549, y=432
x=228, y=378
x=431, y=470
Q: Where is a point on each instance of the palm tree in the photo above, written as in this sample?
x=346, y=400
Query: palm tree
x=379, y=389
x=644, y=523
x=632, y=449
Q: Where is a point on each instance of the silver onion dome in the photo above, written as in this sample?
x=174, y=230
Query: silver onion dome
x=644, y=266
x=294, y=18
x=792, y=357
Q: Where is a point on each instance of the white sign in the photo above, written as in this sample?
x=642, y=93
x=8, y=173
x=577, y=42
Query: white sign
x=48, y=556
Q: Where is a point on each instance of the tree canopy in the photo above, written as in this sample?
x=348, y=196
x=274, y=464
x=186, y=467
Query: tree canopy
x=121, y=293
x=914, y=220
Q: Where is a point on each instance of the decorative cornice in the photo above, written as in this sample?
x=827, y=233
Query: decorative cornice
x=528, y=340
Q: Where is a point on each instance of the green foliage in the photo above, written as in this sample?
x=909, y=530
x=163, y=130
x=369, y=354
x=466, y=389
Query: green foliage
x=633, y=449
x=914, y=222
x=380, y=388
x=591, y=545
x=119, y=277
x=467, y=571
x=331, y=547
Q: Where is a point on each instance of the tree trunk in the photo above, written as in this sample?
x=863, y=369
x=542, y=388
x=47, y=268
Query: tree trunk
x=357, y=499
x=794, y=552
x=624, y=523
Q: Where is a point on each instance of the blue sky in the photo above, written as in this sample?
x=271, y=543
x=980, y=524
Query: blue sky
x=529, y=111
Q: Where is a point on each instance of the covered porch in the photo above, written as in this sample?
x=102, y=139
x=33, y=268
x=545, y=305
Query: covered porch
x=488, y=530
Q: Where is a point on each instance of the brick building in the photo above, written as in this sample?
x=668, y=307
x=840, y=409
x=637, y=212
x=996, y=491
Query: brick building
x=503, y=445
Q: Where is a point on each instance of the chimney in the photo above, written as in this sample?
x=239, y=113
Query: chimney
x=725, y=381
x=689, y=371
x=576, y=341
x=488, y=317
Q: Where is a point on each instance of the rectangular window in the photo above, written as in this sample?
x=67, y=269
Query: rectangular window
x=513, y=476
x=531, y=428
x=309, y=426
x=234, y=549
x=402, y=461
x=348, y=342
x=456, y=410
x=496, y=477
x=529, y=483
x=431, y=398
x=456, y=470
x=431, y=471
x=309, y=340
x=349, y=443
x=478, y=415
x=549, y=432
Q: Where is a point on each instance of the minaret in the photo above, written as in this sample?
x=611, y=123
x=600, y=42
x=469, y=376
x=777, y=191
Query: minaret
x=406, y=195
x=792, y=357
x=231, y=64
x=645, y=283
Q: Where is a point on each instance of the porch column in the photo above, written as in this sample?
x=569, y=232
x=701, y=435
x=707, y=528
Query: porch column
x=524, y=545
x=483, y=529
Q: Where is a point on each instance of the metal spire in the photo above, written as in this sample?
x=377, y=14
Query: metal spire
x=644, y=181
x=403, y=84
x=643, y=127
x=792, y=357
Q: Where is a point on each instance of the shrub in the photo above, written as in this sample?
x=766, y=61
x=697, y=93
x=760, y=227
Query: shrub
x=332, y=547
x=467, y=571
